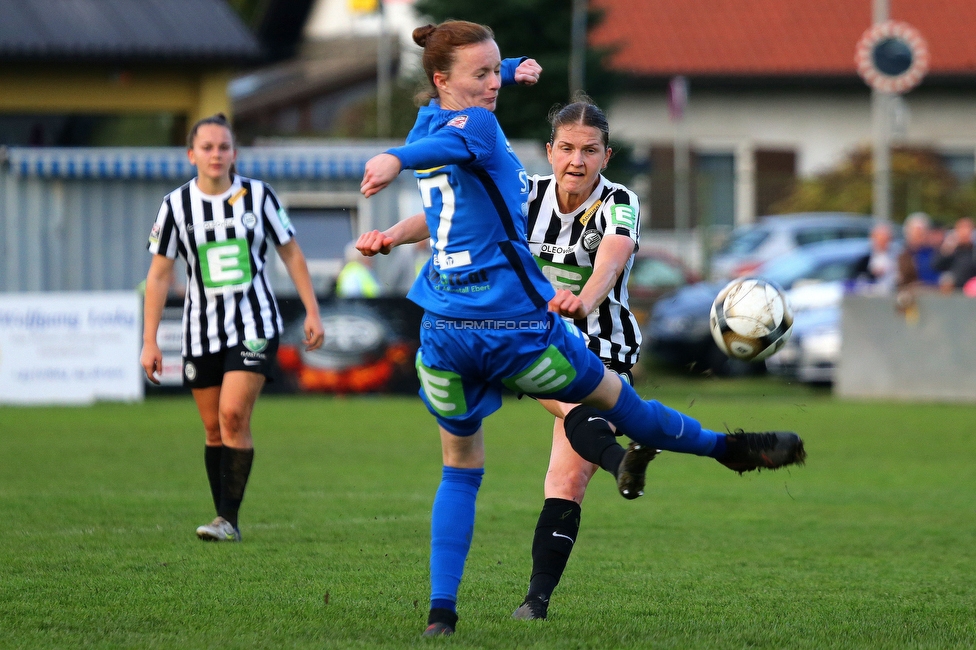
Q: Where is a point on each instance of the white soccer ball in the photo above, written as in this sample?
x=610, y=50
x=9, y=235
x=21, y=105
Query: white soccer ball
x=751, y=319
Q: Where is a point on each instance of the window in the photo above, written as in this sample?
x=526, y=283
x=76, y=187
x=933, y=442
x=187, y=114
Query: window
x=651, y=273
x=715, y=189
x=745, y=241
x=962, y=165
x=324, y=231
x=326, y=222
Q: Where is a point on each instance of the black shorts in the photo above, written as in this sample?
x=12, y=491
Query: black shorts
x=622, y=369
x=250, y=356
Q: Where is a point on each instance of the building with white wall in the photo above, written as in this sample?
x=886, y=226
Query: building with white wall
x=774, y=92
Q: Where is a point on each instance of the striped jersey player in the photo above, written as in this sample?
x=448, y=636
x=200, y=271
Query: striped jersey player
x=565, y=247
x=224, y=240
x=221, y=224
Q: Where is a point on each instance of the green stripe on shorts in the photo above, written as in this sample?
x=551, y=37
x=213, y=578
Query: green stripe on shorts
x=547, y=374
x=443, y=389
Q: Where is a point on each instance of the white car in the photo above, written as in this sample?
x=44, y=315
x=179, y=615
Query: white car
x=811, y=353
x=749, y=246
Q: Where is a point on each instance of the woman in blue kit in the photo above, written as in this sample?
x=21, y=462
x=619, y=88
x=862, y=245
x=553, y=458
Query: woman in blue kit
x=487, y=322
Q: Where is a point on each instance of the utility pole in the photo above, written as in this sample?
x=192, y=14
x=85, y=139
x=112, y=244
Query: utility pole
x=881, y=127
x=892, y=58
x=677, y=102
x=577, y=55
x=384, y=83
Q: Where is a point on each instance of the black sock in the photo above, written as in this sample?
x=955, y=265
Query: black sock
x=555, y=535
x=592, y=438
x=442, y=615
x=211, y=458
x=235, y=467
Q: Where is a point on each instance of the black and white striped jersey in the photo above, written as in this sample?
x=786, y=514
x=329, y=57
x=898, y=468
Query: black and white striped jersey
x=565, y=247
x=224, y=240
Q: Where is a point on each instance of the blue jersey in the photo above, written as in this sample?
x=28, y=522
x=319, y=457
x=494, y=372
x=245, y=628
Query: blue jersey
x=475, y=194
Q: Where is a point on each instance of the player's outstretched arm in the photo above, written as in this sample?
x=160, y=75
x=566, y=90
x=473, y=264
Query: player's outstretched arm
x=527, y=73
x=158, y=281
x=611, y=258
x=294, y=259
x=408, y=231
x=381, y=170
x=566, y=303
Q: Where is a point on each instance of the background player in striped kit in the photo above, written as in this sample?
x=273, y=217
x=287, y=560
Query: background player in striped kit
x=583, y=231
x=221, y=224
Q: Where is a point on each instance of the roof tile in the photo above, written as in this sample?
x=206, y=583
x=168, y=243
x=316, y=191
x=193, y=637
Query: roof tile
x=772, y=37
x=183, y=29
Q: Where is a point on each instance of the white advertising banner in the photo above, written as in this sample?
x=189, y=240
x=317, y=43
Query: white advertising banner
x=70, y=348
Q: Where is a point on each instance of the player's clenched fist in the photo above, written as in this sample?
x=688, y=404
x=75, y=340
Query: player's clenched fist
x=380, y=172
x=565, y=303
x=527, y=73
x=373, y=242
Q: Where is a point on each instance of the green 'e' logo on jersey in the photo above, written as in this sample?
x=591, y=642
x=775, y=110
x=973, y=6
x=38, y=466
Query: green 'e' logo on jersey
x=565, y=276
x=224, y=265
x=283, y=218
x=623, y=215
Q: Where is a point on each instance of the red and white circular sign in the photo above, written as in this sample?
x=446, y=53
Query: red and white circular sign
x=892, y=57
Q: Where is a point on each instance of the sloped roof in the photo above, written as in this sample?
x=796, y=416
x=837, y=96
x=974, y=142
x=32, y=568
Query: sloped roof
x=123, y=30
x=780, y=38
x=322, y=67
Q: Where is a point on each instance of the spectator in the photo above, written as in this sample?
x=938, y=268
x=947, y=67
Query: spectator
x=956, y=256
x=356, y=279
x=880, y=266
x=915, y=263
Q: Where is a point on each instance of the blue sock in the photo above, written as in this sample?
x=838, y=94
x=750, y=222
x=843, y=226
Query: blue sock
x=451, y=527
x=658, y=426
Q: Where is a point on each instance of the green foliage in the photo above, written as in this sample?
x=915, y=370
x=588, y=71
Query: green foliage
x=539, y=29
x=863, y=547
x=919, y=182
x=250, y=11
x=358, y=120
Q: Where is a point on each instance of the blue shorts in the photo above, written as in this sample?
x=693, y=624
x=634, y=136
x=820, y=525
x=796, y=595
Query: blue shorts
x=464, y=365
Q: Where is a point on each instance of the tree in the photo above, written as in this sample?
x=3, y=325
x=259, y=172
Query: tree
x=539, y=29
x=919, y=182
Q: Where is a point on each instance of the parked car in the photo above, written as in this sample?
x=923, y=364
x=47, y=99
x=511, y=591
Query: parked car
x=654, y=274
x=810, y=355
x=812, y=352
x=749, y=246
x=678, y=330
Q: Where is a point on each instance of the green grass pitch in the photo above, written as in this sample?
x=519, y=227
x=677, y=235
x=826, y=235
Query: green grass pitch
x=871, y=545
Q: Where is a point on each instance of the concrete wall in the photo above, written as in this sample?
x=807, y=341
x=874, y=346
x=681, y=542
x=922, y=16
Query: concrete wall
x=886, y=355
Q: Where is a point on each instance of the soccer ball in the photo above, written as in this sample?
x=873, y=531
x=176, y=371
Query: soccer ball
x=751, y=319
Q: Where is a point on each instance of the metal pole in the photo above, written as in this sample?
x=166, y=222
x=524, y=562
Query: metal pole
x=383, y=81
x=677, y=102
x=881, y=127
x=577, y=55
x=682, y=185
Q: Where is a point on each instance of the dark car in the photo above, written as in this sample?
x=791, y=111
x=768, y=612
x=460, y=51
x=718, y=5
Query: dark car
x=655, y=273
x=678, y=331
